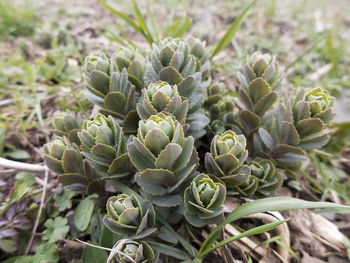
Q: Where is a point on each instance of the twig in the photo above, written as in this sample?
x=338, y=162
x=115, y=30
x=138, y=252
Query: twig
x=42, y=201
x=22, y=166
x=92, y=245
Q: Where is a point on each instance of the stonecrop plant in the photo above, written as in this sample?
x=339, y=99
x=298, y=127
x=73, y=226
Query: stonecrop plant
x=169, y=146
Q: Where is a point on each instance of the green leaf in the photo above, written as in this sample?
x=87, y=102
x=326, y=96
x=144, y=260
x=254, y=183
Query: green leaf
x=55, y=229
x=21, y=189
x=27, y=177
x=258, y=89
x=265, y=103
x=121, y=15
x=8, y=245
x=93, y=255
x=254, y=231
x=46, y=252
x=108, y=238
x=231, y=31
x=100, y=81
x=140, y=156
x=170, y=251
x=170, y=75
x=182, y=28
x=17, y=155
x=264, y=205
x=64, y=200
x=249, y=120
x=72, y=161
x=2, y=139
x=115, y=101
x=178, y=29
x=142, y=24
x=83, y=213
x=96, y=226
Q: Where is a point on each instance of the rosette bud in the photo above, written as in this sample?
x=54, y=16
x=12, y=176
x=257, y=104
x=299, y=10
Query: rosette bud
x=204, y=200
x=103, y=143
x=160, y=97
x=226, y=157
x=127, y=215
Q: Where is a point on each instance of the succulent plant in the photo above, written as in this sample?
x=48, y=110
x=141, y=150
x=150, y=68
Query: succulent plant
x=127, y=215
x=311, y=112
x=164, y=105
x=164, y=158
x=269, y=177
x=226, y=157
x=65, y=159
x=172, y=61
x=132, y=61
x=202, y=55
x=160, y=97
x=204, y=200
x=131, y=251
x=296, y=128
x=262, y=66
x=97, y=74
x=256, y=96
x=220, y=106
x=103, y=144
x=316, y=103
x=111, y=90
x=68, y=124
x=62, y=156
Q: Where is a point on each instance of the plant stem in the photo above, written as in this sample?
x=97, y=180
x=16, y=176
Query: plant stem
x=22, y=166
x=42, y=202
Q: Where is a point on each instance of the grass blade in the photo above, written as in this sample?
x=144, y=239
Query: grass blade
x=264, y=205
x=122, y=16
x=142, y=24
x=254, y=231
x=332, y=53
x=231, y=31
x=183, y=28
x=308, y=50
x=171, y=28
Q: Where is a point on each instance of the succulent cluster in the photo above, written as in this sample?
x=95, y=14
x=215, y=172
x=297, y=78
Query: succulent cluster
x=185, y=64
x=169, y=145
x=220, y=108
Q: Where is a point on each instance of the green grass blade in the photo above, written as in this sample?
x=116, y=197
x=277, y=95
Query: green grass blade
x=231, y=31
x=183, y=28
x=167, y=31
x=142, y=24
x=254, y=231
x=122, y=16
x=2, y=139
x=154, y=24
x=308, y=50
x=332, y=54
x=290, y=250
x=264, y=205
